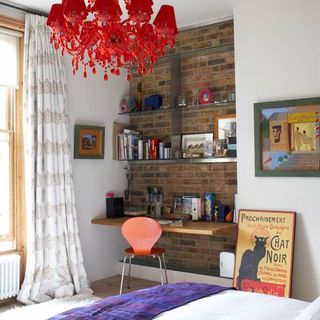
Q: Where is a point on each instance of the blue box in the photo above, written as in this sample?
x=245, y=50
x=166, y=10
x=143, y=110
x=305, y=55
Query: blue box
x=154, y=101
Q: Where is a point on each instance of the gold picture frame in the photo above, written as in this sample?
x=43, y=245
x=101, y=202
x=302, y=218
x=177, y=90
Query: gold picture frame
x=225, y=126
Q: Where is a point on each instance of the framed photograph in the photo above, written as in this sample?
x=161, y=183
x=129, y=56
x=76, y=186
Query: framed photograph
x=197, y=145
x=264, y=252
x=182, y=101
x=225, y=126
x=287, y=135
x=182, y=206
x=88, y=142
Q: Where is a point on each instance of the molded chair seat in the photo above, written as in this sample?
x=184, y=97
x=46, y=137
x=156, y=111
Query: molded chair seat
x=142, y=233
x=154, y=251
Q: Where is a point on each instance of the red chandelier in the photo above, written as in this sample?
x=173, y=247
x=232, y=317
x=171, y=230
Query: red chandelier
x=95, y=35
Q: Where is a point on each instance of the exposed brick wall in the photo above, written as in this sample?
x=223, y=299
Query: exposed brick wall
x=198, y=71
x=204, y=37
x=197, y=251
x=193, y=121
x=178, y=179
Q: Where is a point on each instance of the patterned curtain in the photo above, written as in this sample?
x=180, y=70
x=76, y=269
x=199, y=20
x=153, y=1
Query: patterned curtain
x=55, y=265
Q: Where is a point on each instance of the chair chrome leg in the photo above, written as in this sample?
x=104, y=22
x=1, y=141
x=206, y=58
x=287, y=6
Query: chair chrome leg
x=128, y=283
x=122, y=276
x=160, y=266
x=165, y=268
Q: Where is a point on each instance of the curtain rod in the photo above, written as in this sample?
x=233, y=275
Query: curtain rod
x=27, y=10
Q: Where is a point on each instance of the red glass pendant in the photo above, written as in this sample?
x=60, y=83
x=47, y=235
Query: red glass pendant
x=75, y=11
x=140, y=10
x=94, y=34
x=165, y=20
x=107, y=10
x=55, y=19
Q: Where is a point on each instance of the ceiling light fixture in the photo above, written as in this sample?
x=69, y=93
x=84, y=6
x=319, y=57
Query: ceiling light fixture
x=94, y=34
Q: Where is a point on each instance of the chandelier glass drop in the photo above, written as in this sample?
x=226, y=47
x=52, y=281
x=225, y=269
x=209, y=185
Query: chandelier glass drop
x=94, y=34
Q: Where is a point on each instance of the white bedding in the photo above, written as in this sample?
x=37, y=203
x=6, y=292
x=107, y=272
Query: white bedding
x=237, y=305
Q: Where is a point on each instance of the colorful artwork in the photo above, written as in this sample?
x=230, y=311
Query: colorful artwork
x=264, y=255
x=88, y=142
x=287, y=138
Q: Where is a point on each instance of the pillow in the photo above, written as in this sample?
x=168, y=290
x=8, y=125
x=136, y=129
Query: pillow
x=311, y=312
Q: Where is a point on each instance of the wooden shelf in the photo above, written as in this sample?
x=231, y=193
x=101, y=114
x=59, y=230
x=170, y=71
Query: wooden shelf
x=190, y=227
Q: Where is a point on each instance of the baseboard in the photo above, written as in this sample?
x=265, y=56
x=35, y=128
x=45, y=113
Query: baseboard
x=152, y=274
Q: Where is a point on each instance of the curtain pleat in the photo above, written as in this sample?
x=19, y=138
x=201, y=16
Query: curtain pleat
x=55, y=266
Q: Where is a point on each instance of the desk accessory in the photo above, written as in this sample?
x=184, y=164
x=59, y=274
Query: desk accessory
x=115, y=207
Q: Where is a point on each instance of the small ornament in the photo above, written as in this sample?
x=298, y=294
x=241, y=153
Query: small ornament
x=128, y=104
x=205, y=96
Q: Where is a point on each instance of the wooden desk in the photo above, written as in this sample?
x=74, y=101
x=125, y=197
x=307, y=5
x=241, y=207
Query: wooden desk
x=190, y=227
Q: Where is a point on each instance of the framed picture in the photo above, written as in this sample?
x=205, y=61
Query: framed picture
x=225, y=126
x=88, y=142
x=197, y=145
x=287, y=136
x=182, y=101
x=182, y=206
x=264, y=253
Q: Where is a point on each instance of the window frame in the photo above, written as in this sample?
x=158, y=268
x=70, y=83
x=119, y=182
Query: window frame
x=10, y=129
x=15, y=122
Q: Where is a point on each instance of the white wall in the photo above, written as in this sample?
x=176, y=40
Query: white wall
x=278, y=57
x=94, y=101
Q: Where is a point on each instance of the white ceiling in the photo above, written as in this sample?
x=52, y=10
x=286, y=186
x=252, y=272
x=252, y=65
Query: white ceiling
x=188, y=12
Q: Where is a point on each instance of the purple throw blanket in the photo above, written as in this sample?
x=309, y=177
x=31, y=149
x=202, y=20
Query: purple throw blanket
x=142, y=304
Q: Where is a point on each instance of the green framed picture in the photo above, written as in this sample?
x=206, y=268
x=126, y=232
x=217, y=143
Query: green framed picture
x=88, y=142
x=287, y=138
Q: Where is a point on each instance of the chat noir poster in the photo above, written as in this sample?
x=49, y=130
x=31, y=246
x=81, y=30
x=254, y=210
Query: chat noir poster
x=264, y=254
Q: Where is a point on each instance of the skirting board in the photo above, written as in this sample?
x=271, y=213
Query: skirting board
x=153, y=274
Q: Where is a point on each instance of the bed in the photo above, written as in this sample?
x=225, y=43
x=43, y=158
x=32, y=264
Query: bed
x=190, y=301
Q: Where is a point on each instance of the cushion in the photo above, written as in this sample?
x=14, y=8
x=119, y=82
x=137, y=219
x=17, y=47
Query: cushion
x=311, y=312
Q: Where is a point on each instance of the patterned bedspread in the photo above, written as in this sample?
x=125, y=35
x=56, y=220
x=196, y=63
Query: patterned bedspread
x=142, y=304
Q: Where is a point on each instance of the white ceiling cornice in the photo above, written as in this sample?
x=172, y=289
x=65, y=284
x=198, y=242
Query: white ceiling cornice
x=189, y=14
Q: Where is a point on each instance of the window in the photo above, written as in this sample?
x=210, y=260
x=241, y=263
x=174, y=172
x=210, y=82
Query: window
x=7, y=217
x=10, y=138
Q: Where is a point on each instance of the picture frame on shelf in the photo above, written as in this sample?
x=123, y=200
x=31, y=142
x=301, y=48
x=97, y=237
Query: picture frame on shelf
x=264, y=252
x=89, y=142
x=197, y=145
x=287, y=138
x=182, y=101
x=225, y=126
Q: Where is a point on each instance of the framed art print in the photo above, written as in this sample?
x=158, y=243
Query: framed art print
x=88, y=142
x=264, y=253
x=287, y=138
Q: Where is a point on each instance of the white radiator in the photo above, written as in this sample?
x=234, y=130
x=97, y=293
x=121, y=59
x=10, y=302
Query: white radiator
x=9, y=275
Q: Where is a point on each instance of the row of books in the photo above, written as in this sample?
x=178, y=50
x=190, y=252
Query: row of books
x=127, y=145
x=130, y=146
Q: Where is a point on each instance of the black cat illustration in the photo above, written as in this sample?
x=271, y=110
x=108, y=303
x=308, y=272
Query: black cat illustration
x=250, y=261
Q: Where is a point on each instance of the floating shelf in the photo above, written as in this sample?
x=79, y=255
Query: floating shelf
x=198, y=107
x=184, y=160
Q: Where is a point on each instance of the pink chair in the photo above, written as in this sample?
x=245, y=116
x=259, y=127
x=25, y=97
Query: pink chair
x=142, y=233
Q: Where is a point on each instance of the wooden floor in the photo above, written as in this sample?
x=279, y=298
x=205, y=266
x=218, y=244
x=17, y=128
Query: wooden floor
x=102, y=288
x=111, y=286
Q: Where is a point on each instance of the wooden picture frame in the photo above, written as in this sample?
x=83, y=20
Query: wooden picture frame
x=287, y=138
x=88, y=142
x=225, y=126
x=264, y=252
